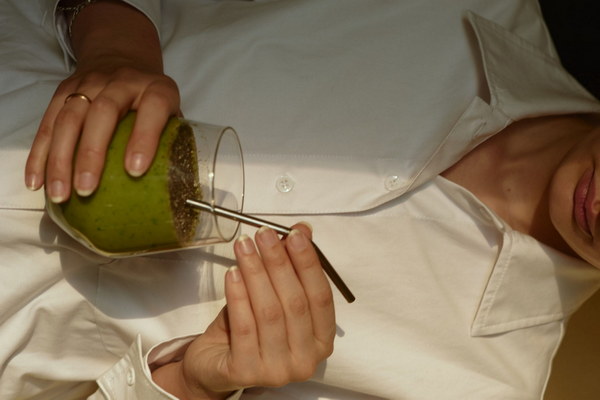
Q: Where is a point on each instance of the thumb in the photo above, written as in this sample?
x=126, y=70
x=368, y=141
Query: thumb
x=218, y=330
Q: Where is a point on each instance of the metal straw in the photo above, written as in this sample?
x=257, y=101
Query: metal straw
x=257, y=222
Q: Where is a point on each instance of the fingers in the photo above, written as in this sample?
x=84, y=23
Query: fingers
x=157, y=104
x=38, y=155
x=316, y=286
x=100, y=122
x=278, y=322
x=89, y=127
x=268, y=311
x=289, y=289
x=280, y=308
x=67, y=125
x=241, y=321
x=105, y=112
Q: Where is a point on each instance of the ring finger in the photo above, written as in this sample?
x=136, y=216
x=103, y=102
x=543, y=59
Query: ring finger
x=289, y=290
x=66, y=131
x=267, y=309
x=108, y=108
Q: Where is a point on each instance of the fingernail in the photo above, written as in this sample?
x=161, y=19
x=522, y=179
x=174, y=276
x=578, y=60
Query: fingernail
x=85, y=184
x=33, y=182
x=268, y=236
x=136, y=165
x=307, y=224
x=57, y=192
x=297, y=240
x=234, y=274
x=246, y=244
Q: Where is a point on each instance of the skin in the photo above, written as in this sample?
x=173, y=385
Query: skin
x=277, y=326
x=529, y=173
x=279, y=322
x=582, y=157
x=119, y=67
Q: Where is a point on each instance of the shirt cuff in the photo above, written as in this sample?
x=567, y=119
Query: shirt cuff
x=130, y=377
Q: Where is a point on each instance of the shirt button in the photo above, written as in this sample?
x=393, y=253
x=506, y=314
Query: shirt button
x=392, y=183
x=130, y=377
x=284, y=184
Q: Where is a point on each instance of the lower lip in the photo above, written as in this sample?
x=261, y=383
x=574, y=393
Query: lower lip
x=583, y=196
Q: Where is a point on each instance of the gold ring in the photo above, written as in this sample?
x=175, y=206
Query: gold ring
x=78, y=95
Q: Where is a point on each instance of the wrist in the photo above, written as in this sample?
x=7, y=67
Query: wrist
x=113, y=30
x=71, y=9
x=170, y=377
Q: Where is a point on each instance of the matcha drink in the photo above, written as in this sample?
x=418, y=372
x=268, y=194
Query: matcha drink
x=127, y=214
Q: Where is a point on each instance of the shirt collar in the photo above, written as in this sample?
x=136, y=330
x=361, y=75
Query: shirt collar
x=523, y=80
x=530, y=283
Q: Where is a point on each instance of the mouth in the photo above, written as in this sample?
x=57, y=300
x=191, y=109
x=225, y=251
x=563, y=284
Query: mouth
x=583, y=200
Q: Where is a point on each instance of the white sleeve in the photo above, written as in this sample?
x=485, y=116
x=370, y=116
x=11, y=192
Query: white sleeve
x=150, y=8
x=130, y=378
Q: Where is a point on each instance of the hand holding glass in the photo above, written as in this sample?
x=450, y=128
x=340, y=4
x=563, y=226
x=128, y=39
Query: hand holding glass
x=198, y=167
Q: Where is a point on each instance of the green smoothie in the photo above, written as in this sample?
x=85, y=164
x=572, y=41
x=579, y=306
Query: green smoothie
x=127, y=214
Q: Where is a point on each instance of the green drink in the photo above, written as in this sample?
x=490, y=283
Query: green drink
x=128, y=215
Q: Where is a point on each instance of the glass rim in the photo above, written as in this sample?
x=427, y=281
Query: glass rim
x=227, y=130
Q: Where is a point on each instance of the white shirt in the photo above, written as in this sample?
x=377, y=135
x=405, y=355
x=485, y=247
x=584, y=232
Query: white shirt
x=451, y=303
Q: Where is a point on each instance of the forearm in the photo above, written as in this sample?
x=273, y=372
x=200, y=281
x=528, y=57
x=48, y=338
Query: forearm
x=114, y=30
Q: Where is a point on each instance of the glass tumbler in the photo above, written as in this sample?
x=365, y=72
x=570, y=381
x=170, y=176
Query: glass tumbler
x=129, y=216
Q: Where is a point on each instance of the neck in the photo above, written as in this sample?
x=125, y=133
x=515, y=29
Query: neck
x=511, y=172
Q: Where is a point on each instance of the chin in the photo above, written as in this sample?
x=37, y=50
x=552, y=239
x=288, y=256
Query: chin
x=577, y=243
x=586, y=252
